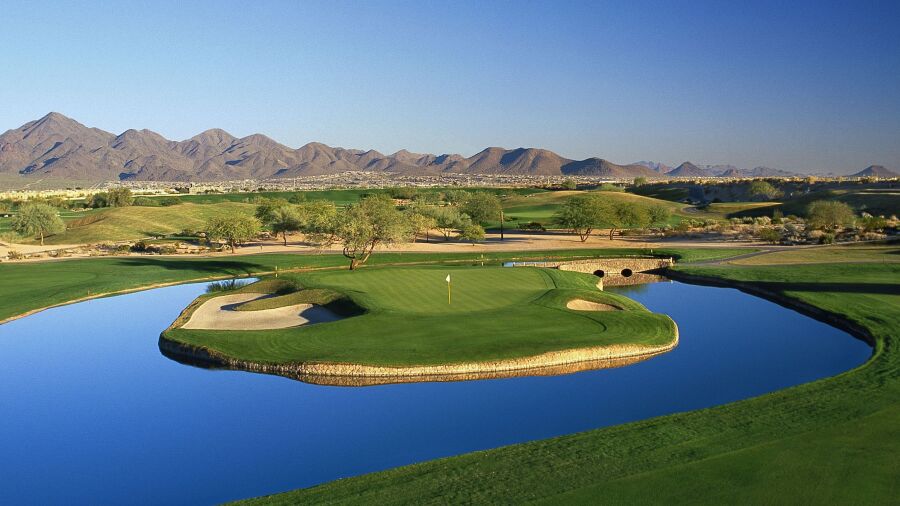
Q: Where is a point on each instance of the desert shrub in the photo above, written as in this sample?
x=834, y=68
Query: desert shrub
x=769, y=235
x=532, y=225
x=225, y=286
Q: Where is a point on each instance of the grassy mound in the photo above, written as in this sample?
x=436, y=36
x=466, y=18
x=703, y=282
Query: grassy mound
x=496, y=313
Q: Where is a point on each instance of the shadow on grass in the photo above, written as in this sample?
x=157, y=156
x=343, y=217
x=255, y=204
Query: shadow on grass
x=224, y=267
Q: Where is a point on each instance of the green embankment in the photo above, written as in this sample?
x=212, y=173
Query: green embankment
x=542, y=207
x=496, y=313
x=833, y=441
x=34, y=285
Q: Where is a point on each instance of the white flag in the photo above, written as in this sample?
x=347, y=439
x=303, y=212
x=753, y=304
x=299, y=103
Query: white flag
x=448, y=278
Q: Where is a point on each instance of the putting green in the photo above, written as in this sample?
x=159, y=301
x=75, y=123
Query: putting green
x=495, y=314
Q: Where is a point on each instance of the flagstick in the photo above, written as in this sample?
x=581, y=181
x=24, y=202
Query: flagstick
x=448, y=293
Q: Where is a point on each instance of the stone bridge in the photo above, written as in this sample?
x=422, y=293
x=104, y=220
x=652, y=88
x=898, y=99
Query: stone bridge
x=606, y=267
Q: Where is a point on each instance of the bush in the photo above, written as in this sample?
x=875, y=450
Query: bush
x=769, y=235
x=827, y=239
x=532, y=225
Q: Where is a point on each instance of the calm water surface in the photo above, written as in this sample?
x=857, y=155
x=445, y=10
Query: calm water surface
x=91, y=412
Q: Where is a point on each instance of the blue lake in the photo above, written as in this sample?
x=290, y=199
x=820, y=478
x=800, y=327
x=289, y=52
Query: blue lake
x=92, y=413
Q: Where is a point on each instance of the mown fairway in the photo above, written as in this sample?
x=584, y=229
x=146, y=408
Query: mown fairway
x=833, y=441
x=497, y=313
x=542, y=207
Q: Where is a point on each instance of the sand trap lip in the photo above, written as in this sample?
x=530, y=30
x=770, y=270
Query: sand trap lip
x=218, y=313
x=586, y=305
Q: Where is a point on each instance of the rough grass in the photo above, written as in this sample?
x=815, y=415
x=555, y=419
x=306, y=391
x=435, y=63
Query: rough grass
x=833, y=441
x=496, y=313
x=137, y=222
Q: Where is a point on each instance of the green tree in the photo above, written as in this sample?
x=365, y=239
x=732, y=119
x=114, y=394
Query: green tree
x=763, y=190
x=582, y=214
x=472, y=233
x=368, y=223
x=265, y=209
x=420, y=221
x=318, y=221
x=769, y=235
x=449, y=220
x=640, y=181
x=659, y=214
x=628, y=215
x=483, y=207
x=456, y=197
x=37, y=219
x=97, y=200
x=569, y=184
x=119, y=197
x=233, y=228
x=285, y=219
x=829, y=214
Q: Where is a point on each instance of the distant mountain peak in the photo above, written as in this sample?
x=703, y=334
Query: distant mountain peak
x=876, y=171
x=56, y=146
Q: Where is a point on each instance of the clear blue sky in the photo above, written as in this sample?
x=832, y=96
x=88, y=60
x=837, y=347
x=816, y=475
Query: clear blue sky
x=791, y=84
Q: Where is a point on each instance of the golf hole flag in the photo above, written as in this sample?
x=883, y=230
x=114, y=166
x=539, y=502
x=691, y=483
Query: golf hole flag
x=448, y=289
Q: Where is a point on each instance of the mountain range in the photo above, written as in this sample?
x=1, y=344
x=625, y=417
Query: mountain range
x=56, y=146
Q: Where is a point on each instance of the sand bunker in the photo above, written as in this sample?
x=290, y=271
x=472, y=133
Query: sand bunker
x=219, y=313
x=586, y=305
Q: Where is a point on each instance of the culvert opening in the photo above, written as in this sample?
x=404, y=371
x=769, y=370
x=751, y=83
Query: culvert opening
x=599, y=273
x=627, y=273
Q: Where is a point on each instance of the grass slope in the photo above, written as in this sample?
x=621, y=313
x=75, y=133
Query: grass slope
x=832, y=441
x=541, y=207
x=137, y=222
x=496, y=313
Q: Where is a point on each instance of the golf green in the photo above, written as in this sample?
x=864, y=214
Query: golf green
x=494, y=313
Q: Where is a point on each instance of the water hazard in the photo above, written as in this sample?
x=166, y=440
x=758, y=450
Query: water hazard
x=91, y=412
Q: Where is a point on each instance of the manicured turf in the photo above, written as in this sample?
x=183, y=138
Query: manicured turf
x=853, y=252
x=496, y=313
x=833, y=441
x=32, y=285
x=542, y=207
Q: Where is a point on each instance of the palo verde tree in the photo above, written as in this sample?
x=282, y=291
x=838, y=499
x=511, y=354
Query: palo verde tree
x=284, y=219
x=119, y=197
x=420, y=221
x=829, y=214
x=449, y=219
x=233, y=228
x=582, y=214
x=37, y=220
x=279, y=216
x=318, y=221
x=372, y=221
x=628, y=215
x=484, y=207
x=763, y=190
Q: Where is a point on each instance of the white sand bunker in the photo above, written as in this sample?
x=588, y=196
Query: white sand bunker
x=586, y=305
x=219, y=313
